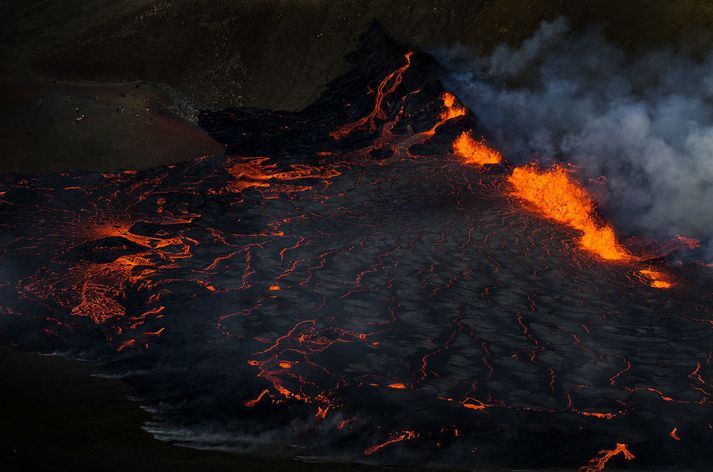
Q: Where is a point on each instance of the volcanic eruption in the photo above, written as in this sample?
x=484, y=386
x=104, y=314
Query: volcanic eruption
x=369, y=279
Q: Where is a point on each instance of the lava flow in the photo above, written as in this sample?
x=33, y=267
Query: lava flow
x=259, y=172
x=557, y=196
x=599, y=463
x=656, y=278
x=474, y=152
x=369, y=293
x=387, y=86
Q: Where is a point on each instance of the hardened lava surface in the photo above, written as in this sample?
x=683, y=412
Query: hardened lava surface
x=346, y=288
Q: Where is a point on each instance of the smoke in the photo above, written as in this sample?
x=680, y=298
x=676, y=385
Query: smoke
x=644, y=123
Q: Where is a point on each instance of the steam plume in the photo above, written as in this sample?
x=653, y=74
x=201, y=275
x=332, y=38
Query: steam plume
x=645, y=123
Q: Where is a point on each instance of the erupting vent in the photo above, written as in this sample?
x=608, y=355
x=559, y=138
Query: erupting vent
x=557, y=196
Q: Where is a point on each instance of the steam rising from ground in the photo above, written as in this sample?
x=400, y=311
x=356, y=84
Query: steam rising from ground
x=645, y=123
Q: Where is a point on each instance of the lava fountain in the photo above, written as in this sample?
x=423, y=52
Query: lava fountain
x=556, y=195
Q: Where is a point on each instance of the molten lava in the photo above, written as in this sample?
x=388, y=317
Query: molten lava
x=387, y=86
x=555, y=194
x=258, y=172
x=474, y=152
x=656, y=279
x=453, y=109
x=404, y=436
x=599, y=463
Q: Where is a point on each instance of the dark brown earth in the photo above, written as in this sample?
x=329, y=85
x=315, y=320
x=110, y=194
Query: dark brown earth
x=214, y=54
x=280, y=54
x=48, y=126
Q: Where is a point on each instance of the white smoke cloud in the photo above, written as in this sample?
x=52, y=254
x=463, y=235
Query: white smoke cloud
x=645, y=123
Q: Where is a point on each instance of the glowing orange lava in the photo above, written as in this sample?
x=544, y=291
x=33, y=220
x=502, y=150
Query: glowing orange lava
x=453, y=109
x=554, y=193
x=474, y=152
x=656, y=279
x=474, y=406
x=386, y=87
x=100, y=286
x=259, y=172
x=599, y=463
x=96, y=290
x=256, y=400
x=405, y=436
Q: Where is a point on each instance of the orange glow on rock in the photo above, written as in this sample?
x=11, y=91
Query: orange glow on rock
x=599, y=463
x=656, y=279
x=474, y=406
x=255, y=401
x=405, y=436
x=258, y=172
x=387, y=86
x=555, y=194
x=321, y=412
x=126, y=344
x=453, y=109
x=473, y=152
x=596, y=414
x=397, y=386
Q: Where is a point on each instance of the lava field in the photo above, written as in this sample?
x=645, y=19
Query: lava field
x=347, y=283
